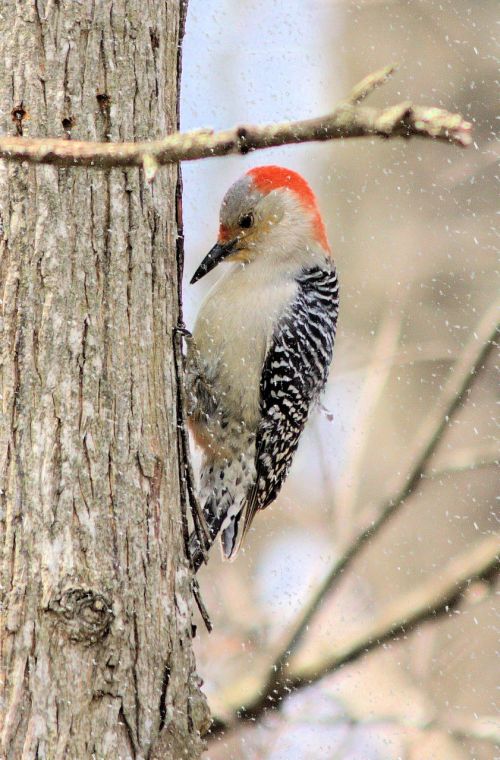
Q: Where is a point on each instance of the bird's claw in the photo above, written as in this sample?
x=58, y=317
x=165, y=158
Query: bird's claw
x=181, y=330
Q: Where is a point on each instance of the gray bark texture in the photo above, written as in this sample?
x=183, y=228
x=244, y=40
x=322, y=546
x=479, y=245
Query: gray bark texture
x=95, y=633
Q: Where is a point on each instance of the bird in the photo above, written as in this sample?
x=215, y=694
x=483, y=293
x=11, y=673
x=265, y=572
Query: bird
x=260, y=350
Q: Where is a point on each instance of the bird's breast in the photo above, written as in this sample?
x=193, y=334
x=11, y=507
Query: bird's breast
x=232, y=333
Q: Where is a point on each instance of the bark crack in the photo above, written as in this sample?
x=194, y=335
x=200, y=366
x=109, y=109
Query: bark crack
x=163, y=696
x=128, y=729
x=136, y=679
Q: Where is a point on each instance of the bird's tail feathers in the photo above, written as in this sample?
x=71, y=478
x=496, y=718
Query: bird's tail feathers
x=236, y=525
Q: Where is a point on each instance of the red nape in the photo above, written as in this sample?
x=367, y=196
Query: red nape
x=268, y=178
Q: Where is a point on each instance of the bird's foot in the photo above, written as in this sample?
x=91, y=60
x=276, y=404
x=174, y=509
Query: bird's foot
x=181, y=331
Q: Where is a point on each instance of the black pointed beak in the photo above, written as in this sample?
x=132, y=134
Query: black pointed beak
x=218, y=253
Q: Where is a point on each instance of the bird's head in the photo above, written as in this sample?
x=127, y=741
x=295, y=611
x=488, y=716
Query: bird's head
x=270, y=211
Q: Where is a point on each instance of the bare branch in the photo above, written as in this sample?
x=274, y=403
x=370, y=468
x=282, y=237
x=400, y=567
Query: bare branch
x=425, y=602
x=430, y=599
x=347, y=120
x=465, y=372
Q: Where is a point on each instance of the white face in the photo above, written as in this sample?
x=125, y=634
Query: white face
x=272, y=223
x=274, y=228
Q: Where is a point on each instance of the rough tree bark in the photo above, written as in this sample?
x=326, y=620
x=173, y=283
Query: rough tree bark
x=95, y=628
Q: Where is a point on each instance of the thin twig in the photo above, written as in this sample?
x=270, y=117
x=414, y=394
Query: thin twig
x=186, y=469
x=465, y=372
x=347, y=120
x=182, y=451
x=201, y=605
x=370, y=83
x=186, y=477
x=376, y=377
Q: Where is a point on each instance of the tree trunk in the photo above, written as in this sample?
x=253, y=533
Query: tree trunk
x=96, y=656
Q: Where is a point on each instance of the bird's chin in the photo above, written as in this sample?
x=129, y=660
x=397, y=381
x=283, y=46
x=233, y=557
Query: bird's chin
x=244, y=256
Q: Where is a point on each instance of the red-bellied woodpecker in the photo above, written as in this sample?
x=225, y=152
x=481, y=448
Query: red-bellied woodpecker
x=261, y=348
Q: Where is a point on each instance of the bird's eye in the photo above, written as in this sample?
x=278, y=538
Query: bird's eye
x=246, y=221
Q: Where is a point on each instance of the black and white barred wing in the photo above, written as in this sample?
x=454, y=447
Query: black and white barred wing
x=295, y=372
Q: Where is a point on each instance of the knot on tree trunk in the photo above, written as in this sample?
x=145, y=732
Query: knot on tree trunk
x=85, y=615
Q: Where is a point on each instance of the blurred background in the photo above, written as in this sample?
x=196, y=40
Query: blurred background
x=412, y=227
